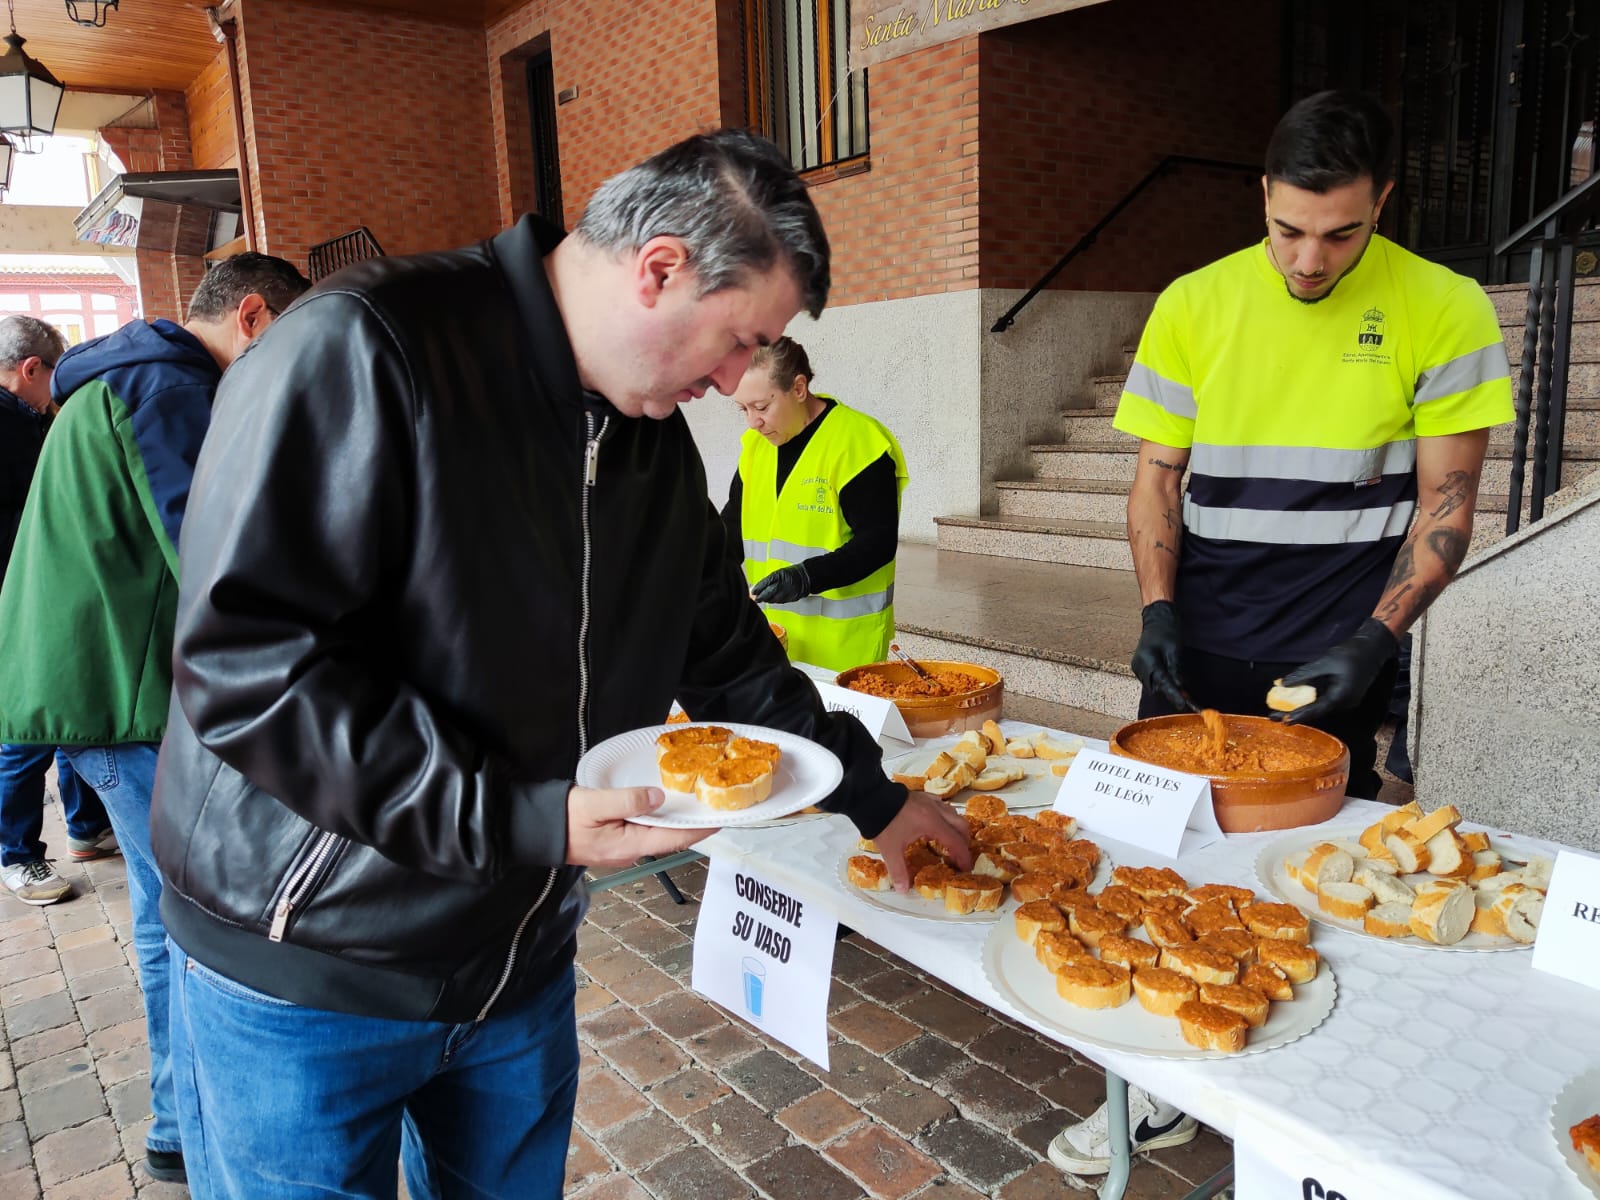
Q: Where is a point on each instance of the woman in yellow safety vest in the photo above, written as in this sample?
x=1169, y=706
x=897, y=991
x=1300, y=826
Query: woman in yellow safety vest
x=816, y=506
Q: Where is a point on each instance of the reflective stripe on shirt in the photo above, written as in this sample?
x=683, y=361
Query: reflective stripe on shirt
x=1304, y=462
x=1174, y=397
x=1462, y=374
x=1317, y=527
x=839, y=610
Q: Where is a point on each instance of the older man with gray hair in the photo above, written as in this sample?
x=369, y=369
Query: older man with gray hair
x=449, y=532
x=29, y=349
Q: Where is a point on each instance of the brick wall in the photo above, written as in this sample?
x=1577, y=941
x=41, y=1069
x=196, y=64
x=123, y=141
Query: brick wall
x=211, y=117
x=1076, y=108
x=166, y=279
x=909, y=226
x=646, y=74
x=366, y=117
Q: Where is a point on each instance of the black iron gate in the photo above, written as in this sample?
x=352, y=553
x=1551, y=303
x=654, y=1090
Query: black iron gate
x=546, y=158
x=1496, y=103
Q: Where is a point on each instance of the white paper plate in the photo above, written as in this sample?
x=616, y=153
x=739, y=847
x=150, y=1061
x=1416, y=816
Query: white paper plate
x=1036, y=790
x=909, y=904
x=1578, y=1100
x=1270, y=871
x=806, y=774
x=1015, y=972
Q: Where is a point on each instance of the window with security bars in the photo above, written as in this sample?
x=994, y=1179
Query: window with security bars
x=799, y=89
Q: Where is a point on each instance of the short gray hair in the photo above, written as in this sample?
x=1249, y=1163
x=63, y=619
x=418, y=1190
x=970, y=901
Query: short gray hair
x=28, y=337
x=732, y=197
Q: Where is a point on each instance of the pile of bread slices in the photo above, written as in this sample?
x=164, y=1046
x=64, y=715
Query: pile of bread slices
x=1417, y=874
x=975, y=761
x=1212, y=956
x=707, y=761
x=1034, y=856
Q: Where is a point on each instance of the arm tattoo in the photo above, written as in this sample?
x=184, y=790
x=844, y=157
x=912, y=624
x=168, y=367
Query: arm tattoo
x=1165, y=466
x=1167, y=517
x=1172, y=550
x=1450, y=545
x=1391, y=606
x=1404, y=564
x=1455, y=491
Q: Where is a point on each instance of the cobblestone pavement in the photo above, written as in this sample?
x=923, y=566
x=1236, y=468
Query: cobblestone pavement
x=929, y=1096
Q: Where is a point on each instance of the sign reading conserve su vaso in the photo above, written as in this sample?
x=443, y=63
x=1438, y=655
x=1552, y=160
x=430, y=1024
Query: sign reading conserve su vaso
x=885, y=29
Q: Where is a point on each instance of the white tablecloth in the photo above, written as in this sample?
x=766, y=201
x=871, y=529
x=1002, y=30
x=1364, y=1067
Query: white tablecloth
x=1434, y=1073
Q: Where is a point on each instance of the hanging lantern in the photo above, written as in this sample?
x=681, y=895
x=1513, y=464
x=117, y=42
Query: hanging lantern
x=30, y=96
x=7, y=153
x=96, y=19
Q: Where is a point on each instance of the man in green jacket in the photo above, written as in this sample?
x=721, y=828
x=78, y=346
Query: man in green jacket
x=87, y=608
x=29, y=350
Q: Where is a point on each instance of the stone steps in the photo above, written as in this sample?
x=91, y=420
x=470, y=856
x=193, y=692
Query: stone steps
x=1058, y=633
x=1081, y=543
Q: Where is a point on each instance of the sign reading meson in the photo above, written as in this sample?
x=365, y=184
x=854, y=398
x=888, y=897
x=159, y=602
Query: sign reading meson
x=885, y=29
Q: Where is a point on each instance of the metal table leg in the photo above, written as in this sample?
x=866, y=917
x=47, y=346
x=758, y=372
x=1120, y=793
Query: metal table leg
x=1117, y=1138
x=1212, y=1186
x=656, y=866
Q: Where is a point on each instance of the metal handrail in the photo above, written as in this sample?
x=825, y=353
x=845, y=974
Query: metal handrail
x=1161, y=168
x=1541, y=396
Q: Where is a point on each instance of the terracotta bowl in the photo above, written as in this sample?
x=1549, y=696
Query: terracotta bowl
x=1250, y=802
x=779, y=632
x=934, y=716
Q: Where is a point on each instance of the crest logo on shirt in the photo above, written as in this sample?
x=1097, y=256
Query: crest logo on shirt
x=1371, y=332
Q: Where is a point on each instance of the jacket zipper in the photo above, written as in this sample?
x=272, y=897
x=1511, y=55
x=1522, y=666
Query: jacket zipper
x=300, y=883
x=591, y=471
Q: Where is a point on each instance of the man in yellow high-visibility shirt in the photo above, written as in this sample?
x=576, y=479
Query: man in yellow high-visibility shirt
x=1330, y=396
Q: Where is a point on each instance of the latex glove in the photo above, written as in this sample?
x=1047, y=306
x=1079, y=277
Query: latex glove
x=1343, y=675
x=783, y=586
x=1155, y=659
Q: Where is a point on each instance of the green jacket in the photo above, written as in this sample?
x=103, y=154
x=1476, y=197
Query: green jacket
x=88, y=604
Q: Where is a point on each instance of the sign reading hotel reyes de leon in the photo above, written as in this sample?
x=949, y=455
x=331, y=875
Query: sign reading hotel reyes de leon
x=885, y=29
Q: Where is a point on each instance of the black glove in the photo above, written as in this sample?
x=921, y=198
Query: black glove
x=1155, y=660
x=783, y=586
x=1343, y=675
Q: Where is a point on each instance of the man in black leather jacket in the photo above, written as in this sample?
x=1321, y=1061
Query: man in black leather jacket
x=432, y=555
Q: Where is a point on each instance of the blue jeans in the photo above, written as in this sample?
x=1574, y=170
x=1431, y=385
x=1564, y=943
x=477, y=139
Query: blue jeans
x=22, y=772
x=124, y=777
x=283, y=1102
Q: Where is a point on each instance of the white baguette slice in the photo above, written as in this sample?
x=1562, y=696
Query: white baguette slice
x=1443, y=912
x=1020, y=748
x=1447, y=856
x=940, y=787
x=992, y=779
x=1475, y=841
x=1385, y=888
x=1484, y=864
x=1327, y=864
x=1536, y=873
x=1519, y=909
x=1388, y=921
x=1347, y=900
x=1372, y=841
x=1044, y=747
x=1287, y=699
x=1295, y=868
x=1409, y=852
x=1373, y=862
x=1500, y=879
x=1485, y=919
x=1443, y=817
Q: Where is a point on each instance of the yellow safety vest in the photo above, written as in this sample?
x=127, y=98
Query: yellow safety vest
x=842, y=627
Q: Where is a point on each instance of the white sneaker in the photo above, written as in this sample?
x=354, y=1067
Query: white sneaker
x=1084, y=1148
x=35, y=883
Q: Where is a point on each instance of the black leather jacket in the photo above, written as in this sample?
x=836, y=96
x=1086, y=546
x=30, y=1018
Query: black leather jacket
x=404, y=615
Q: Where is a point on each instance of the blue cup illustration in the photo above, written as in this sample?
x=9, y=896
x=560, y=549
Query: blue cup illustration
x=755, y=982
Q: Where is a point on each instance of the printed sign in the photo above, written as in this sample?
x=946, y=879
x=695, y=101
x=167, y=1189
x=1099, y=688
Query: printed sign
x=1568, y=943
x=877, y=713
x=766, y=956
x=1166, y=812
x=884, y=29
x=1268, y=1165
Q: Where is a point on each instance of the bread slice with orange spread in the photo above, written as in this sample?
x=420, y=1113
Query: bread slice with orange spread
x=735, y=783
